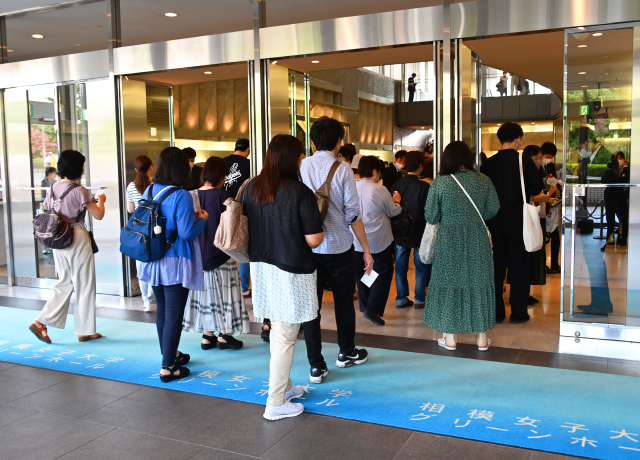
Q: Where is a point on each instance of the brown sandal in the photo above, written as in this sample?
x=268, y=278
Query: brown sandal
x=86, y=338
x=37, y=331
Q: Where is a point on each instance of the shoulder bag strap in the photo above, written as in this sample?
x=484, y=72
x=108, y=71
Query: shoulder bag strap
x=524, y=195
x=163, y=196
x=332, y=172
x=472, y=202
x=239, y=196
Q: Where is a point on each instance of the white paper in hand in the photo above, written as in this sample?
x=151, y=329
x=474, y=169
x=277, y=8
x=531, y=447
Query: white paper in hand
x=369, y=279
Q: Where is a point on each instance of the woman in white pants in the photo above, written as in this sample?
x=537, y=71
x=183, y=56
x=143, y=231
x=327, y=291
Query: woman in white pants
x=284, y=224
x=135, y=189
x=74, y=264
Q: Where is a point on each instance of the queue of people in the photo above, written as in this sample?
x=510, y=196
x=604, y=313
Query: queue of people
x=294, y=250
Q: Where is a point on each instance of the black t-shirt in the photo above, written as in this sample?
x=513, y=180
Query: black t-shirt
x=212, y=201
x=239, y=171
x=414, y=193
x=503, y=169
x=276, y=231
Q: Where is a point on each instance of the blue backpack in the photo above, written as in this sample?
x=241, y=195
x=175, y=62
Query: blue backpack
x=145, y=237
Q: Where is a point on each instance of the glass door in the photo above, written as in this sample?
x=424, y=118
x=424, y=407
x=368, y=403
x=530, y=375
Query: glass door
x=599, y=294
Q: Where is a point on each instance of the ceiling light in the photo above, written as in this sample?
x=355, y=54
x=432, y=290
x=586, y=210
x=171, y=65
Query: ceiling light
x=315, y=62
x=38, y=36
x=498, y=124
x=580, y=28
x=582, y=46
x=532, y=123
x=208, y=72
x=597, y=34
x=171, y=15
x=9, y=51
x=274, y=62
x=421, y=127
x=582, y=73
x=584, y=86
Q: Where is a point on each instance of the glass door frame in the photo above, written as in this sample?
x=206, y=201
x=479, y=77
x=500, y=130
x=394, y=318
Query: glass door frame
x=592, y=330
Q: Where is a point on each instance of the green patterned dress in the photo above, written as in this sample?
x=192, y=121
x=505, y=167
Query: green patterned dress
x=461, y=297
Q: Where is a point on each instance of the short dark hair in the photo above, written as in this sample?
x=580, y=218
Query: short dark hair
x=172, y=168
x=348, y=151
x=531, y=150
x=549, y=148
x=326, y=133
x=368, y=164
x=242, y=145
x=456, y=155
x=413, y=74
x=400, y=154
x=414, y=161
x=509, y=132
x=70, y=164
x=50, y=170
x=189, y=152
x=215, y=170
x=618, y=154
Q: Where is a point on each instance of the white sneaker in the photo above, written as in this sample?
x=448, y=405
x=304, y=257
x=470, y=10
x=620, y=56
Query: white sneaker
x=288, y=409
x=148, y=306
x=294, y=392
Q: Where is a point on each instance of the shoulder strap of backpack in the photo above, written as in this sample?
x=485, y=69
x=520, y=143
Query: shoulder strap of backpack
x=70, y=187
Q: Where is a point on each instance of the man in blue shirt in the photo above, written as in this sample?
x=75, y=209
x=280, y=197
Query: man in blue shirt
x=335, y=256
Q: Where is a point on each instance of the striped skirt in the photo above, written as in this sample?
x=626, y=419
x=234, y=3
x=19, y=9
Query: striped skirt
x=220, y=307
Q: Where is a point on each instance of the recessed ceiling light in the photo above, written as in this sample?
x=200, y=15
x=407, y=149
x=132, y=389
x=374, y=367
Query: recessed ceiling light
x=582, y=73
x=274, y=62
x=208, y=72
x=315, y=62
x=581, y=28
x=38, y=36
x=584, y=86
x=582, y=46
x=9, y=51
x=498, y=124
x=421, y=127
x=597, y=34
x=171, y=15
x=532, y=123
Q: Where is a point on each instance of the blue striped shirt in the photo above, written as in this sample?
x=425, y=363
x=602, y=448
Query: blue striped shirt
x=344, y=205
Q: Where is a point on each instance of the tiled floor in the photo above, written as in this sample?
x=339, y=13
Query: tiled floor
x=46, y=415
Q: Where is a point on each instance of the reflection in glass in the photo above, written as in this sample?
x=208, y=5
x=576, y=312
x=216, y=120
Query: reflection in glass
x=598, y=130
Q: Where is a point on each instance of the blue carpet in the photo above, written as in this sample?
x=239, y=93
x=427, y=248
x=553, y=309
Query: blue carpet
x=571, y=412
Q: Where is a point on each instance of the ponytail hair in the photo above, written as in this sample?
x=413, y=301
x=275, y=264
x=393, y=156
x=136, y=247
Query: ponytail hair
x=142, y=165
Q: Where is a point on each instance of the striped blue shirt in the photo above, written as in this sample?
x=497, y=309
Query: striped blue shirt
x=344, y=205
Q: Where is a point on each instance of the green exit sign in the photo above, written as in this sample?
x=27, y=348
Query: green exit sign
x=584, y=110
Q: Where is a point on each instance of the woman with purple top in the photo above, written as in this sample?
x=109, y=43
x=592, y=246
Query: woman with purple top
x=220, y=306
x=74, y=264
x=181, y=269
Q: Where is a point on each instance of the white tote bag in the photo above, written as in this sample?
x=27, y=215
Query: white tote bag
x=531, y=229
x=428, y=244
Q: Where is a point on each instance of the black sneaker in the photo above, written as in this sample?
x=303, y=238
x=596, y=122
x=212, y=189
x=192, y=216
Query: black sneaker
x=406, y=305
x=374, y=318
x=532, y=301
x=317, y=375
x=355, y=357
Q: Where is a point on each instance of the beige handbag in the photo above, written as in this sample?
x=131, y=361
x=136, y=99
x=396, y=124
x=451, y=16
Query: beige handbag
x=232, y=236
x=323, y=193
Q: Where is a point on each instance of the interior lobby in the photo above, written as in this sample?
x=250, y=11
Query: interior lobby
x=119, y=79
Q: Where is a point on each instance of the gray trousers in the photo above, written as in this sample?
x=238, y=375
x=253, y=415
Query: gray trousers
x=76, y=271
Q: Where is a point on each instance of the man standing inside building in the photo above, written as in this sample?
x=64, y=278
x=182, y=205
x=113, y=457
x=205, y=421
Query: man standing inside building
x=239, y=171
x=196, y=171
x=335, y=256
x=239, y=167
x=506, y=228
x=392, y=173
x=412, y=86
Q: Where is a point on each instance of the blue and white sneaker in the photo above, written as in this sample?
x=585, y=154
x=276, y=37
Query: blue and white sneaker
x=294, y=392
x=355, y=357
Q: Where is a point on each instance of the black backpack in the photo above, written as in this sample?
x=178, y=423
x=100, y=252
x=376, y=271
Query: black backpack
x=52, y=230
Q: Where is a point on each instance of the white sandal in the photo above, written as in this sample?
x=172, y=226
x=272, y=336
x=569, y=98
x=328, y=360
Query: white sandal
x=443, y=343
x=485, y=348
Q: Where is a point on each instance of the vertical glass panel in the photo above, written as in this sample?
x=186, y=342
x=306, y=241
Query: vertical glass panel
x=598, y=136
x=56, y=31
